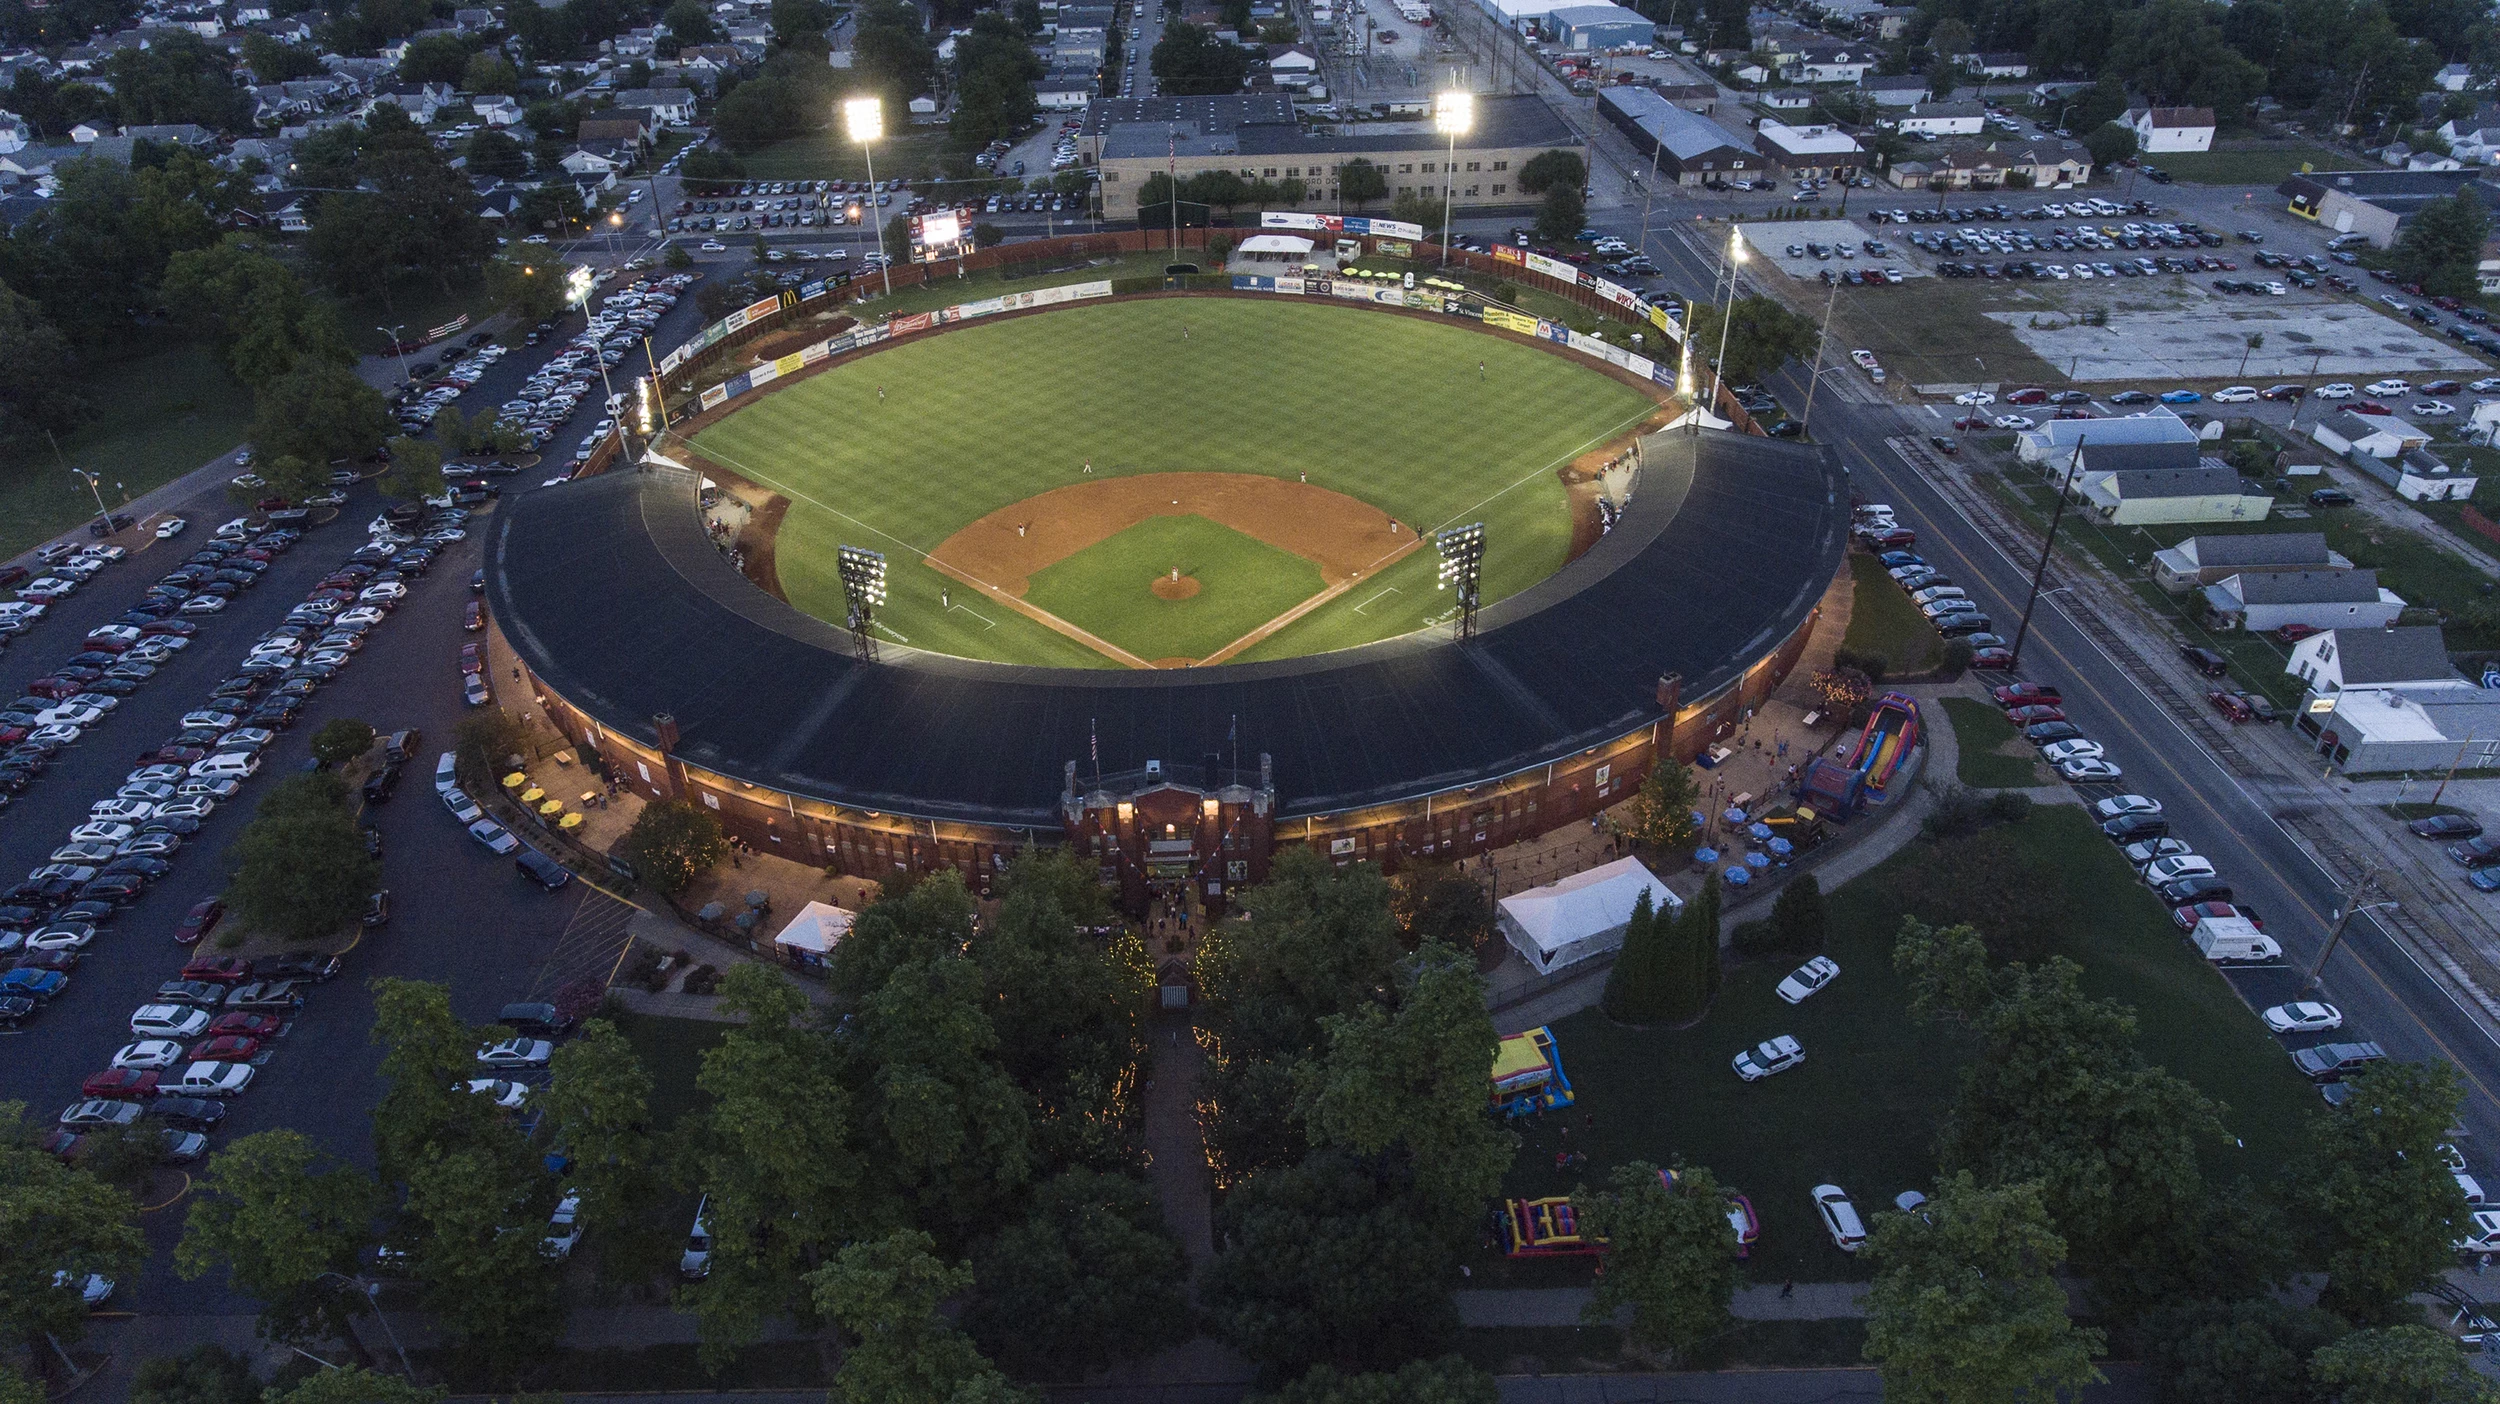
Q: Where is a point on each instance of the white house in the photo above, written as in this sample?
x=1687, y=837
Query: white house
x=496, y=111
x=2475, y=136
x=2209, y=560
x=87, y=132
x=674, y=107
x=2056, y=440
x=2455, y=77
x=1942, y=119
x=582, y=162
x=2160, y=129
x=2415, y=657
x=1901, y=90
x=13, y=132
x=2381, y=700
x=2264, y=601
x=2374, y=435
x=2418, y=475
x=2208, y=492
x=1831, y=63
x=1995, y=67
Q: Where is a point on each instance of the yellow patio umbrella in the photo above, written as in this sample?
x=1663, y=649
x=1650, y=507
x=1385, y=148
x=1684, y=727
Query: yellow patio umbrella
x=516, y=780
x=569, y=821
x=551, y=809
x=532, y=795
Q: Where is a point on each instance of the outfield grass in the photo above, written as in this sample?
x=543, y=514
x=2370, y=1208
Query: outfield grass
x=158, y=417
x=1106, y=588
x=1863, y=1110
x=1983, y=737
x=2234, y=164
x=1389, y=410
x=1884, y=624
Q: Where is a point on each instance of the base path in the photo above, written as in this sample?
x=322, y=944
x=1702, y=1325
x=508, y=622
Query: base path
x=1348, y=539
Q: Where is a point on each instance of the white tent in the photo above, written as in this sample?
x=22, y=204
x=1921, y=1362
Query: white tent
x=1581, y=916
x=814, y=932
x=1288, y=248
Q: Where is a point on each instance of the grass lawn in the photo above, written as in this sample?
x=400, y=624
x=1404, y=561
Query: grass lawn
x=672, y=1049
x=1242, y=582
x=2251, y=163
x=158, y=417
x=1389, y=410
x=1863, y=1110
x=831, y=155
x=1934, y=333
x=1988, y=743
x=1884, y=624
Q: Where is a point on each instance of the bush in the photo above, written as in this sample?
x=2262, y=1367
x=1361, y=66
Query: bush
x=1871, y=664
x=702, y=980
x=1956, y=660
x=1959, y=813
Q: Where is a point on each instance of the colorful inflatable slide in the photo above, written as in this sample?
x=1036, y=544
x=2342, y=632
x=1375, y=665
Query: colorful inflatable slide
x=1890, y=735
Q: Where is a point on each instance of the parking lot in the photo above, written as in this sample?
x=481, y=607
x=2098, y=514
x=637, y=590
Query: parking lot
x=1808, y=248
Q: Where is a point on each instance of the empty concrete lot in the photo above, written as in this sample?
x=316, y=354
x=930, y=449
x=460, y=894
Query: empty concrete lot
x=2171, y=328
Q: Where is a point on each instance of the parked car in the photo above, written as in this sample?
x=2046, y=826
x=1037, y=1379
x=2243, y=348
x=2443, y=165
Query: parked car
x=2305, y=1016
x=2446, y=826
x=1772, y=1055
x=1839, y=1217
x=1808, y=978
x=2332, y=1062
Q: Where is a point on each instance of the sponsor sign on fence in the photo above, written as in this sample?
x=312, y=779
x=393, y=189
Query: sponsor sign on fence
x=1349, y=224
x=1508, y=320
x=1551, y=268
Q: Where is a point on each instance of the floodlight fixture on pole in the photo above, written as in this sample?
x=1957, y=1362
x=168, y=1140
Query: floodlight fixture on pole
x=1453, y=112
x=1462, y=564
x=396, y=345
x=863, y=590
x=1727, y=315
x=864, y=119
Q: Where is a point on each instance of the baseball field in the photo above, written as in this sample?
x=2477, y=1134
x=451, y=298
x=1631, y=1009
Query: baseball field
x=1173, y=481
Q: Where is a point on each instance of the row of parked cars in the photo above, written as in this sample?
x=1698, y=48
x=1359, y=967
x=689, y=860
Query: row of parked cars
x=1947, y=606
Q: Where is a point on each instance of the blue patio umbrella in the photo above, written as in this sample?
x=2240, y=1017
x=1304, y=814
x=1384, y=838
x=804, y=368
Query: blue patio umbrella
x=1737, y=876
x=1757, y=860
x=1705, y=856
x=1734, y=815
x=1759, y=833
x=1781, y=847
x=1700, y=819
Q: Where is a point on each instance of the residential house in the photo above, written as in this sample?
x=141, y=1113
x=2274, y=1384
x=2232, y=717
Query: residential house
x=2418, y=475
x=2209, y=560
x=2454, y=77
x=1809, y=153
x=13, y=132
x=87, y=132
x=923, y=111
x=293, y=218
x=1788, y=100
x=1995, y=67
x=673, y=107
x=1831, y=63
x=1067, y=90
x=1690, y=149
x=419, y=106
x=2474, y=137
x=1899, y=90
x=2147, y=483
x=473, y=21
x=2413, y=657
x=496, y=111
x=184, y=134
x=1291, y=58
x=1964, y=164
x=583, y=161
x=1944, y=119
x=626, y=134
x=2168, y=129
x=2264, y=601
x=2056, y=440
x=2389, y=699
x=2373, y=435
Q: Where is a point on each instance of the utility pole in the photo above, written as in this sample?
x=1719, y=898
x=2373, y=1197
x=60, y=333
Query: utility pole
x=2040, y=571
x=1805, y=422
x=2335, y=937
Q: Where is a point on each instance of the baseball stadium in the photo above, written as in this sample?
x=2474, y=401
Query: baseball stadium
x=1157, y=576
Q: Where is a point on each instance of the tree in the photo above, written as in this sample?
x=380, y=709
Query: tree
x=274, y=61
x=2400, y=1365
x=775, y=1153
x=1761, y=337
x=672, y=843
x=1191, y=62
x=479, y=1205
x=1448, y=1380
x=1407, y=1085
x=287, y=1229
x=891, y=54
x=319, y=412
x=2255, y=1350
x=885, y=1293
x=799, y=22
x=1661, y=812
x=598, y=1104
x=1359, y=182
x=489, y=72
x=38, y=372
x=1965, y=1309
x=1562, y=214
x=2382, y=1202
x=945, y=1124
x=253, y=309
x=534, y=291
x=416, y=470
x=434, y=58
x=996, y=71
x=1546, y=170
x=691, y=22
x=1797, y=919
x=1636, y=986
x=204, y=1374
x=761, y=111
x=354, y=1384
x=1669, y=1256
x=413, y=213
x=301, y=870
x=1092, y=1276
x=1437, y=902
x=1947, y=970
x=2110, y=143
x=58, y=1221
x=2440, y=246
x=1329, y=1262
x=490, y=152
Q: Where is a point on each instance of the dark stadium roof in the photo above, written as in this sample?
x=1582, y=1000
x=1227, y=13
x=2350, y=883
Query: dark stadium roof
x=609, y=590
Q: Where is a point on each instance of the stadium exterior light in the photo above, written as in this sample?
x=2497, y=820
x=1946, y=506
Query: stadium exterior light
x=1453, y=112
x=1462, y=563
x=863, y=590
x=1735, y=260
x=864, y=119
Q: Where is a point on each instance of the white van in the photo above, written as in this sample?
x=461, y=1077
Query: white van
x=446, y=773
x=2233, y=940
x=226, y=765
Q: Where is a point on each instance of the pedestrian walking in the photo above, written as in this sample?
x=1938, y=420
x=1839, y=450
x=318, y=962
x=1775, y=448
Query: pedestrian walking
x=1089, y=465
x=945, y=599
x=1479, y=370
x=516, y=672
x=1306, y=475
x=1788, y=1289
x=880, y=394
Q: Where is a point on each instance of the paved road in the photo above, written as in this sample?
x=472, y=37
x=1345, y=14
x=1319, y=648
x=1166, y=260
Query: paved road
x=2384, y=992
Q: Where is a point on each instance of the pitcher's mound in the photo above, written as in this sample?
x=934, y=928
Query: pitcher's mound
x=1165, y=587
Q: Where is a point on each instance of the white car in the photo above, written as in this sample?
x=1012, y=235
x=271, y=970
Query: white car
x=143, y=793
x=206, y=721
x=190, y=806
x=202, y=604
x=517, y=1053
x=162, y=772
x=2060, y=752
x=170, y=528
x=149, y=1055
x=462, y=807
x=55, y=733
x=168, y=1021
x=129, y=809
x=100, y=831
x=226, y=765
x=2433, y=409
x=2175, y=867
x=2235, y=394
x=2482, y=1233
x=1808, y=978
x=2091, y=770
x=385, y=590
x=2390, y=386
x=1772, y=1055
x=474, y=691
x=2306, y=1016
x=363, y=615
x=61, y=936
x=2146, y=851
x=1840, y=1217
x=564, y=1227
x=695, y=1263
x=714, y=246
x=2486, y=385
x=496, y=837
x=446, y=773
x=209, y=1080
x=2116, y=805
x=507, y=1095
x=2012, y=421
x=247, y=738
x=1974, y=397
x=2338, y=390
x=83, y=851
x=1934, y=593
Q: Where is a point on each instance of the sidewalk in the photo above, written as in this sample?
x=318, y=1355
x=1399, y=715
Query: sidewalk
x=1561, y=1306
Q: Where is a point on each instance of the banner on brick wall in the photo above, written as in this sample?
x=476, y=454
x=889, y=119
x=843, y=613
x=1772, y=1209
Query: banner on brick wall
x=809, y=292
x=1504, y=253
x=1551, y=267
x=1508, y=320
x=1553, y=331
x=988, y=306
x=764, y=374
x=1251, y=282
x=1383, y=228
x=1619, y=295
x=1292, y=219
x=715, y=397
x=906, y=326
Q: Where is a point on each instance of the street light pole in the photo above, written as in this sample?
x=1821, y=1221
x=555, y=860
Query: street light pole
x=865, y=119
x=1805, y=422
x=372, y=1291
x=1727, y=315
x=396, y=343
x=1453, y=112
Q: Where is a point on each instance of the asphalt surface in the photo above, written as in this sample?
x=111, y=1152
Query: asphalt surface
x=460, y=915
x=2385, y=993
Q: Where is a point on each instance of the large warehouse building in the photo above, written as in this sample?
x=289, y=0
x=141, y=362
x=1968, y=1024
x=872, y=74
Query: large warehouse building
x=647, y=648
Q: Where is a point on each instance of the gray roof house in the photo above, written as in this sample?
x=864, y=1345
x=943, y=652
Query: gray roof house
x=2262, y=602
x=2205, y=560
x=1691, y=149
x=2211, y=491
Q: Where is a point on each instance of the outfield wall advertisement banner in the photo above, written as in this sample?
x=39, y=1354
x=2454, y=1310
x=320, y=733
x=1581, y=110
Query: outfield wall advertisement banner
x=1348, y=224
x=1508, y=320
x=1552, y=268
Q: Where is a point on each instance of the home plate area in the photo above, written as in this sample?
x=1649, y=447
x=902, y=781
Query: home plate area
x=1174, y=570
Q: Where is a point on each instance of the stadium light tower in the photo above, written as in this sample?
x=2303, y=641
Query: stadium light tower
x=864, y=117
x=1462, y=562
x=1453, y=112
x=863, y=589
x=1735, y=261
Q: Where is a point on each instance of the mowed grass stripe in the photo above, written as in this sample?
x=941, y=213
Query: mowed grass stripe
x=1107, y=588
x=1390, y=410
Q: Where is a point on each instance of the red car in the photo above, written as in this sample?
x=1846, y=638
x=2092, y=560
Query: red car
x=199, y=921
x=272, y=504
x=242, y=1025
x=62, y=961
x=171, y=755
x=1897, y=539
x=58, y=689
x=2034, y=714
x=1971, y=421
x=2194, y=912
x=2294, y=633
x=2023, y=693
x=218, y=969
x=2029, y=396
x=472, y=659
x=2368, y=407
x=225, y=1048
x=179, y=628
x=120, y=1084
x=2230, y=706
x=2072, y=412
x=106, y=645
